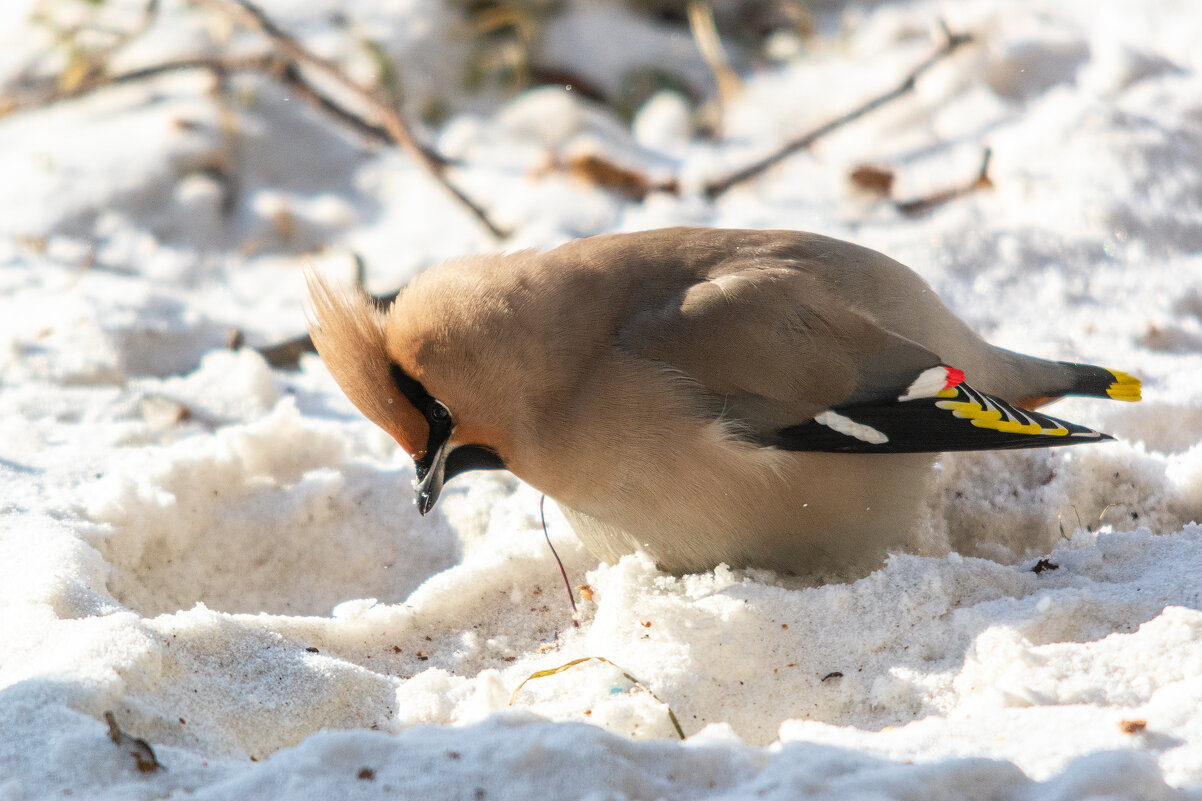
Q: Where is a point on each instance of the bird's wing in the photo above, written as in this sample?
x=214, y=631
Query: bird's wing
x=793, y=367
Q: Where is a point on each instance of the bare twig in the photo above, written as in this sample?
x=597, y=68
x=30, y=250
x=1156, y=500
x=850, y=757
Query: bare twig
x=542, y=502
x=266, y=63
x=394, y=125
x=287, y=65
x=922, y=205
x=705, y=34
x=1060, y=521
x=138, y=748
x=951, y=43
x=102, y=79
x=295, y=80
x=86, y=66
x=287, y=355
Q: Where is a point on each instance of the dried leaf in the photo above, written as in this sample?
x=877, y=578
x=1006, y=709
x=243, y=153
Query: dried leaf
x=1132, y=726
x=876, y=181
x=138, y=748
x=599, y=171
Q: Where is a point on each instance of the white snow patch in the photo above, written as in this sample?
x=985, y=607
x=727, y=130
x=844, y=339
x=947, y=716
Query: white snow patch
x=227, y=556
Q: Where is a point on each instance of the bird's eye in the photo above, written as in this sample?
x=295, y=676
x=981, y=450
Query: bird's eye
x=438, y=412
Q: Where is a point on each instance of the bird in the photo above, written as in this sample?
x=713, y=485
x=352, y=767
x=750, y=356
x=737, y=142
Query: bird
x=755, y=398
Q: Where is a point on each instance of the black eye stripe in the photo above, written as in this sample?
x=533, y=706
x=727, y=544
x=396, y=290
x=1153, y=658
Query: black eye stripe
x=410, y=387
x=439, y=422
x=461, y=459
x=434, y=411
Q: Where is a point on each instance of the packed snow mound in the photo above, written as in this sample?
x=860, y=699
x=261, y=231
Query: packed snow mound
x=226, y=557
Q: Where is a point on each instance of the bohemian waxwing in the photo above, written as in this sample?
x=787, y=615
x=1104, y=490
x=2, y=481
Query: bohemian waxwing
x=759, y=398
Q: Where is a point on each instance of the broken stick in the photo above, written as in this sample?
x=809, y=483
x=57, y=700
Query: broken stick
x=951, y=43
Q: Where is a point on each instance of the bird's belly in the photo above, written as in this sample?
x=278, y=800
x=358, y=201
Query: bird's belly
x=805, y=513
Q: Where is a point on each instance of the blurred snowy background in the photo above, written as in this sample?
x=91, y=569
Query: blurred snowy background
x=214, y=546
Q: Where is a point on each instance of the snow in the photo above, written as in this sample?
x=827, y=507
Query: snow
x=227, y=558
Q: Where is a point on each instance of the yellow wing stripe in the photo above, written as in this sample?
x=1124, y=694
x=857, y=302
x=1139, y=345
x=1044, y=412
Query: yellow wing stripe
x=992, y=419
x=1126, y=387
x=1010, y=427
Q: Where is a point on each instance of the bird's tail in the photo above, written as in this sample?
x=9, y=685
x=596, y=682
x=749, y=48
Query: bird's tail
x=1102, y=382
x=1084, y=379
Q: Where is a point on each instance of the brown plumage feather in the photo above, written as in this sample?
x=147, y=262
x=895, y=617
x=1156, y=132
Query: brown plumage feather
x=350, y=335
x=639, y=379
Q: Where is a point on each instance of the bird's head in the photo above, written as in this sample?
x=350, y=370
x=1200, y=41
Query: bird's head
x=403, y=371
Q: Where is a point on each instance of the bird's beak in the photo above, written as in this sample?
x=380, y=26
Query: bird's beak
x=431, y=473
x=442, y=461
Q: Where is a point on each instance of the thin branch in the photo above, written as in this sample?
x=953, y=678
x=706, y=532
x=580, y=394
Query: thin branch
x=87, y=66
x=266, y=63
x=286, y=66
x=922, y=205
x=542, y=513
x=952, y=42
x=705, y=34
x=287, y=355
x=99, y=80
x=393, y=124
x=137, y=748
x=294, y=79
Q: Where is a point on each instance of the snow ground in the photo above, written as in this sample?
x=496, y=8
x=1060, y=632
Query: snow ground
x=226, y=556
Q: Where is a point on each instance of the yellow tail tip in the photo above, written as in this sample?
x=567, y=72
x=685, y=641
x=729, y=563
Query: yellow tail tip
x=1126, y=387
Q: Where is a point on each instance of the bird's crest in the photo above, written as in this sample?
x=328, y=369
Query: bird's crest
x=348, y=332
